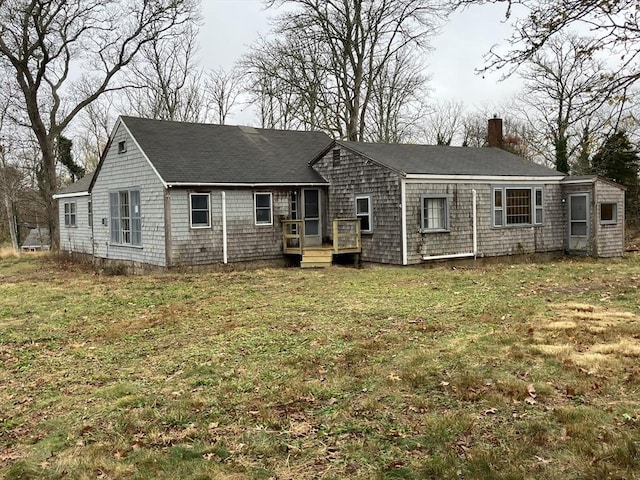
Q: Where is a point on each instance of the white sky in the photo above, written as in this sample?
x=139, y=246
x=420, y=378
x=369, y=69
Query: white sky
x=231, y=26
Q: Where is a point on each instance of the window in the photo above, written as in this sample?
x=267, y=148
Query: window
x=364, y=212
x=538, y=204
x=262, y=202
x=90, y=213
x=122, y=146
x=200, y=206
x=518, y=206
x=608, y=213
x=336, y=157
x=69, y=214
x=435, y=213
x=126, y=224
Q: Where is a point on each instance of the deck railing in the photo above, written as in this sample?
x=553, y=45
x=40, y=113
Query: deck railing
x=292, y=239
x=346, y=236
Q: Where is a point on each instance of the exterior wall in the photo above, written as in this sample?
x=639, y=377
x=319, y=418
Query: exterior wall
x=78, y=239
x=353, y=174
x=246, y=241
x=609, y=238
x=491, y=241
x=129, y=170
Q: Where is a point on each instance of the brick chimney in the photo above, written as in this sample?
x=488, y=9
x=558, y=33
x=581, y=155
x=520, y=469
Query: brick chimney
x=494, y=132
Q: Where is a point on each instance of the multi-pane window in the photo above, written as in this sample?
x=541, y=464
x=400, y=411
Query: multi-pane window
x=364, y=212
x=126, y=223
x=263, y=211
x=69, y=214
x=200, y=207
x=517, y=206
x=435, y=213
x=90, y=213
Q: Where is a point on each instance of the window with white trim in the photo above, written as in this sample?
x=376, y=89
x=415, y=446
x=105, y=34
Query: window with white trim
x=90, y=213
x=126, y=220
x=517, y=206
x=69, y=214
x=200, y=208
x=434, y=213
x=263, y=208
x=364, y=212
x=608, y=213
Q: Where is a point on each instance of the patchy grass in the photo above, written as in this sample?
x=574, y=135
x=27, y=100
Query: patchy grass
x=487, y=372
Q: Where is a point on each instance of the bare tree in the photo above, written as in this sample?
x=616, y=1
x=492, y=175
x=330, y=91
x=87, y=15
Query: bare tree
x=398, y=100
x=563, y=87
x=43, y=41
x=93, y=127
x=614, y=24
x=444, y=122
x=351, y=41
x=166, y=84
x=223, y=89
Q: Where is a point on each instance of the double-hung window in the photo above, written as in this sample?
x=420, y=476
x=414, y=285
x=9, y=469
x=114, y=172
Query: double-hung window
x=263, y=208
x=126, y=223
x=69, y=214
x=200, y=205
x=364, y=212
x=434, y=213
x=517, y=206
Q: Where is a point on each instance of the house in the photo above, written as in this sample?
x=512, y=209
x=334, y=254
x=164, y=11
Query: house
x=175, y=194
x=37, y=240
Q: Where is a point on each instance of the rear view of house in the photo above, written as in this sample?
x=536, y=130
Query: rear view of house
x=174, y=194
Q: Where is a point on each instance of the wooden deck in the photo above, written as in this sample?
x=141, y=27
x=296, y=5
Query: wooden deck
x=346, y=239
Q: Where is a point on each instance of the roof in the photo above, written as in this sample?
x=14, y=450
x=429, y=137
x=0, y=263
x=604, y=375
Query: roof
x=77, y=188
x=37, y=237
x=195, y=153
x=444, y=160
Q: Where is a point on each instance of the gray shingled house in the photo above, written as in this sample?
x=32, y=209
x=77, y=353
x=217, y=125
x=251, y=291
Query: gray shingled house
x=171, y=194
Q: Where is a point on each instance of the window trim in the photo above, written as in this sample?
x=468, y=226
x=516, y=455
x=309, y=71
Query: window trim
x=70, y=216
x=122, y=146
x=133, y=218
x=191, y=210
x=369, y=198
x=447, y=212
x=614, y=219
x=533, y=206
x=255, y=209
x=90, y=213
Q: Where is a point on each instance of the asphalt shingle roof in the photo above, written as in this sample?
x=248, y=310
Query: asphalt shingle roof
x=79, y=186
x=205, y=153
x=443, y=160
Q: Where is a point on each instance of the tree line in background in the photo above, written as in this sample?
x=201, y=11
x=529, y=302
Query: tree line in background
x=353, y=68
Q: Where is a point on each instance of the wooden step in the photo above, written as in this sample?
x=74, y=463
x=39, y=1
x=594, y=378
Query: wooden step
x=316, y=258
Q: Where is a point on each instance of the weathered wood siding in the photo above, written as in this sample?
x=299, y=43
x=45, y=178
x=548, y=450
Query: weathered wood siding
x=129, y=170
x=76, y=239
x=353, y=174
x=246, y=241
x=492, y=241
x=609, y=238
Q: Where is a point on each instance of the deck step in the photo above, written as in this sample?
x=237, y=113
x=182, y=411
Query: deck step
x=316, y=258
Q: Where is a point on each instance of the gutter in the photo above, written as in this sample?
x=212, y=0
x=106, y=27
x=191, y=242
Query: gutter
x=250, y=185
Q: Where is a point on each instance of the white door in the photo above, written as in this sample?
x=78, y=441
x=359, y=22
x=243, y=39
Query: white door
x=579, y=221
x=311, y=215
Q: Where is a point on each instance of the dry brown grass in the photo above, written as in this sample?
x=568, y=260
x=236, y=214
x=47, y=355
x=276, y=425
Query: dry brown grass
x=8, y=252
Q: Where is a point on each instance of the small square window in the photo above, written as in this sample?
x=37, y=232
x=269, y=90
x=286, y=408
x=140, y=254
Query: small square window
x=608, y=213
x=122, y=146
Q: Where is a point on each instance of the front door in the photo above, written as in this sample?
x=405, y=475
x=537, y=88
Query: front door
x=312, y=227
x=579, y=221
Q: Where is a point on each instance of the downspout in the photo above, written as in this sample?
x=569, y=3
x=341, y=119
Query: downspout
x=224, y=227
x=403, y=219
x=474, y=253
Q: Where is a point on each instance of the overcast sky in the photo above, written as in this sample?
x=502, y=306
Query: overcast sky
x=231, y=26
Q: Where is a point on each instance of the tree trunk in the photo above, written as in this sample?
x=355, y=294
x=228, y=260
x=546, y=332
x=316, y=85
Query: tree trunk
x=48, y=189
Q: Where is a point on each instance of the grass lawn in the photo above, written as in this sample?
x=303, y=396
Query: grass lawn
x=527, y=371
